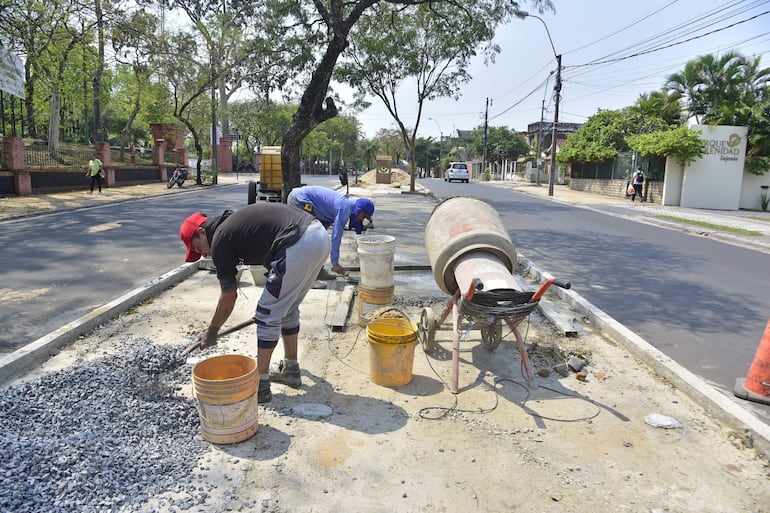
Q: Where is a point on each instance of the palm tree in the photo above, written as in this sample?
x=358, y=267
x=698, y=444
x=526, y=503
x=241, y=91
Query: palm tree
x=657, y=104
x=687, y=86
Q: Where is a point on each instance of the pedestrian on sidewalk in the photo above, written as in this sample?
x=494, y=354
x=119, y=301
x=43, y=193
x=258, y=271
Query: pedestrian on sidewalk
x=637, y=180
x=292, y=245
x=95, y=171
x=333, y=209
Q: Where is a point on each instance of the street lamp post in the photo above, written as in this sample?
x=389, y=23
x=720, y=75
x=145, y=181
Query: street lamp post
x=557, y=94
x=440, y=141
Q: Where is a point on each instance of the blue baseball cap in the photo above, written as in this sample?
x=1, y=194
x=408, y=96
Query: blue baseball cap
x=361, y=205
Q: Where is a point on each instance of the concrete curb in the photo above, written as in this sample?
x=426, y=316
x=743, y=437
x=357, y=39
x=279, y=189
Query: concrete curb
x=755, y=433
x=41, y=349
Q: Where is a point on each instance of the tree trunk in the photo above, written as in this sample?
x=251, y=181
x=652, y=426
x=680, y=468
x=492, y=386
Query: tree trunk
x=53, y=124
x=126, y=132
x=29, y=100
x=314, y=109
x=97, y=99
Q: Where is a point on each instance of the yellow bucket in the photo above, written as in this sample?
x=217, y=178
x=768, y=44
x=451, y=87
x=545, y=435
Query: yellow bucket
x=391, y=351
x=225, y=388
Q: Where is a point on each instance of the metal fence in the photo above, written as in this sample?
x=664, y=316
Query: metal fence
x=38, y=155
x=620, y=168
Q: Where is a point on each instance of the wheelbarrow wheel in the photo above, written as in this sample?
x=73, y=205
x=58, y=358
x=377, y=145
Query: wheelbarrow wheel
x=427, y=329
x=491, y=336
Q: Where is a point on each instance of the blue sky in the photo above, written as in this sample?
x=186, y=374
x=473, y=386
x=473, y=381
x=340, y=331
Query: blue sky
x=645, y=42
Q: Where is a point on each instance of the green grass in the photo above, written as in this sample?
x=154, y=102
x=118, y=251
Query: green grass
x=712, y=226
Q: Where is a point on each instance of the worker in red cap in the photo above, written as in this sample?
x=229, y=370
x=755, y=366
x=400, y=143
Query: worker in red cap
x=292, y=245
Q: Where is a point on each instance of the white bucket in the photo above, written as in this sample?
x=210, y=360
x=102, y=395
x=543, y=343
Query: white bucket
x=375, y=253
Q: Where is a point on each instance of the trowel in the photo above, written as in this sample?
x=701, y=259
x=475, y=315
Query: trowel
x=196, y=345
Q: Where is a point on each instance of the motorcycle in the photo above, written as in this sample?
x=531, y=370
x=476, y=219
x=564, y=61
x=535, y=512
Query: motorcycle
x=178, y=177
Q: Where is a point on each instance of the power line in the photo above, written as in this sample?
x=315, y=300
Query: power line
x=637, y=54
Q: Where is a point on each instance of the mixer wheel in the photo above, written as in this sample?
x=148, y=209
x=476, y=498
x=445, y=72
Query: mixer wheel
x=491, y=336
x=427, y=329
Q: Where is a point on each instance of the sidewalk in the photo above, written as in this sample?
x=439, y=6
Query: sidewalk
x=755, y=221
x=38, y=204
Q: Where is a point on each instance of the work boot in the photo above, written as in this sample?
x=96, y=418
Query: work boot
x=319, y=284
x=264, y=395
x=325, y=275
x=287, y=373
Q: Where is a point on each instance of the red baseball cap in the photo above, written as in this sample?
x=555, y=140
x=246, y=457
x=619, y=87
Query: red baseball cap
x=187, y=232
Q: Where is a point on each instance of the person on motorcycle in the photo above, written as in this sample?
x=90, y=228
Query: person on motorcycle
x=292, y=245
x=334, y=209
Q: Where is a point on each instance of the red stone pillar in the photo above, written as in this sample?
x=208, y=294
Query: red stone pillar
x=13, y=153
x=225, y=156
x=13, y=160
x=102, y=150
x=22, y=182
x=158, y=152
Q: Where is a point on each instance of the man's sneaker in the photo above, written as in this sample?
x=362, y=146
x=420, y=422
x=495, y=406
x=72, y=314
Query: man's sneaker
x=264, y=395
x=287, y=373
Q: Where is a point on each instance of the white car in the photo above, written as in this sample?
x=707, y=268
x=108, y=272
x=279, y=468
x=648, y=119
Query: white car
x=456, y=171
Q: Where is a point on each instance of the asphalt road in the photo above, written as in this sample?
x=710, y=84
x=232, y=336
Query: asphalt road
x=702, y=302
x=58, y=266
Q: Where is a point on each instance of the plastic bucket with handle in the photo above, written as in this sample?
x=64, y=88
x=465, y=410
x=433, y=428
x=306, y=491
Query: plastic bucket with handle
x=391, y=351
x=225, y=388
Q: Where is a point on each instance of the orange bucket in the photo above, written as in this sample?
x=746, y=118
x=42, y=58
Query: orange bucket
x=225, y=388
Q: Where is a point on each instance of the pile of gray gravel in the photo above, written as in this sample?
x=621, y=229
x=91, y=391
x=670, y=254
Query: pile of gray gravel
x=100, y=436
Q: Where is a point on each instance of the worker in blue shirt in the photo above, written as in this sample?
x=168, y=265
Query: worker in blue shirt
x=333, y=209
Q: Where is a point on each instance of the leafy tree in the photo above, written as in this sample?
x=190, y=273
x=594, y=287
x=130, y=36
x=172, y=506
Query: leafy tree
x=681, y=143
x=686, y=86
x=731, y=90
x=261, y=123
x=391, y=143
x=430, y=45
x=133, y=44
x=46, y=33
x=327, y=25
x=500, y=139
x=605, y=133
x=189, y=80
x=598, y=140
x=657, y=104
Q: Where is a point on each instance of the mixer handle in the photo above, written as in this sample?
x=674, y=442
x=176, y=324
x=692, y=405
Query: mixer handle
x=545, y=285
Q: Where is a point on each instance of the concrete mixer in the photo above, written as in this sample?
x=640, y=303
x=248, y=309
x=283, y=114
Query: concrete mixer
x=473, y=260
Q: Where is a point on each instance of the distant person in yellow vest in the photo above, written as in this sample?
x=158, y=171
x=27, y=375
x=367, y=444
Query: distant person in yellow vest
x=95, y=172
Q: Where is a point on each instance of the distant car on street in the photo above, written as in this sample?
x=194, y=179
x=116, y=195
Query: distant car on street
x=456, y=171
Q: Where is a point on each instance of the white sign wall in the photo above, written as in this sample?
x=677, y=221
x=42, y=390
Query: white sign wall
x=714, y=181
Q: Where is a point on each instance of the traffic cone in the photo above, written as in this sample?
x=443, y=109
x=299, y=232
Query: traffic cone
x=756, y=386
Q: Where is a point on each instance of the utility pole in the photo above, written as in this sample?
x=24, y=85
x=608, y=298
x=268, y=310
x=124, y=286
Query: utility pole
x=556, y=91
x=441, y=138
x=486, y=130
x=539, y=138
